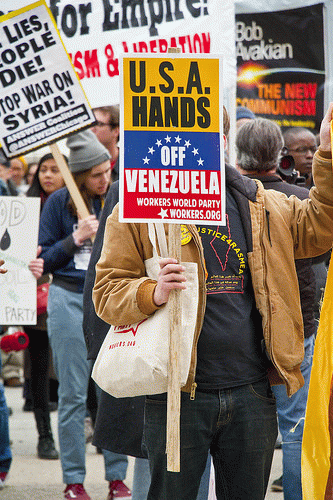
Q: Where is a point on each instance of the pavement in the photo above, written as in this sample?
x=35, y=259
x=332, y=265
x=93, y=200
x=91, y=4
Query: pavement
x=31, y=478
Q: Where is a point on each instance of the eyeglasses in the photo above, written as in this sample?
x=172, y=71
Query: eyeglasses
x=301, y=150
x=101, y=124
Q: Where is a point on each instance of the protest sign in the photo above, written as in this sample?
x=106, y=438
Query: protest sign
x=18, y=223
x=41, y=98
x=171, y=160
x=317, y=442
x=277, y=78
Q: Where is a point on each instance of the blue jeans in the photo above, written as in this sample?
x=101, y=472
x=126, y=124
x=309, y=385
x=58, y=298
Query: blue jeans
x=141, y=480
x=238, y=426
x=291, y=415
x=5, y=451
x=115, y=463
x=65, y=316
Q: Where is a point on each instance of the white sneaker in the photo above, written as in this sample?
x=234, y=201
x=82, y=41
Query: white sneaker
x=3, y=479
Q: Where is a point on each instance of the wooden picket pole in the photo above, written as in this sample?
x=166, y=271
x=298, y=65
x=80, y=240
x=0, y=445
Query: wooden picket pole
x=173, y=402
x=175, y=318
x=81, y=207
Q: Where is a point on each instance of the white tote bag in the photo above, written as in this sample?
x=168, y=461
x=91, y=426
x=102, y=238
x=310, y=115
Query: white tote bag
x=133, y=359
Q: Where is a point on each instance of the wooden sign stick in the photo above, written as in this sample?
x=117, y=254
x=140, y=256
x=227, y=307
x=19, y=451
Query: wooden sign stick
x=173, y=402
x=81, y=207
x=175, y=318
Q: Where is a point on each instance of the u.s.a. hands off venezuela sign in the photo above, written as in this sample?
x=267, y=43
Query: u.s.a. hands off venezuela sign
x=171, y=160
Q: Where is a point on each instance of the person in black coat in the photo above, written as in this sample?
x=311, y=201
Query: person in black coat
x=119, y=422
x=118, y=425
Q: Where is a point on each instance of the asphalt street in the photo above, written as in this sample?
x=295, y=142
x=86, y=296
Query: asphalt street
x=33, y=479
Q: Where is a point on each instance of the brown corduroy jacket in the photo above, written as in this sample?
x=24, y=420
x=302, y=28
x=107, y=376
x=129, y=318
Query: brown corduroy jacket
x=278, y=230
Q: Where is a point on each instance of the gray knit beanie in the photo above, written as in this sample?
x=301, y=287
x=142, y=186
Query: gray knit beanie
x=85, y=151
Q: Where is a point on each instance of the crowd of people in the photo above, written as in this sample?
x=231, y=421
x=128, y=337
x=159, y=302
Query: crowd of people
x=253, y=349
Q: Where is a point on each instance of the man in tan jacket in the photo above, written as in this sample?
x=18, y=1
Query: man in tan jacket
x=249, y=331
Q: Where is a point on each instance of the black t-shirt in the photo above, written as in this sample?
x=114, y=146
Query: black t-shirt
x=230, y=344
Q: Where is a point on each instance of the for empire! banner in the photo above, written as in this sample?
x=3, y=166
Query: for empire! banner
x=172, y=166
x=96, y=32
x=280, y=65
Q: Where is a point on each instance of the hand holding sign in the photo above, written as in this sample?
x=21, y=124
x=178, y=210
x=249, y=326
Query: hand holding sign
x=3, y=270
x=36, y=266
x=170, y=278
x=87, y=228
x=326, y=135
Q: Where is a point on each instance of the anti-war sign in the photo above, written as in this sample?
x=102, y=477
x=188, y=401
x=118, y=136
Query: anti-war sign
x=18, y=223
x=172, y=166
x=41, y=98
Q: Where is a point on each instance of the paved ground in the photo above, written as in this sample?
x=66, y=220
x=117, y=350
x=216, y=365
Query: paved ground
x=34, y=479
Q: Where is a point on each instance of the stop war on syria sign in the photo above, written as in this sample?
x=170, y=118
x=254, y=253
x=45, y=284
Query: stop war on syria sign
x=171, y=158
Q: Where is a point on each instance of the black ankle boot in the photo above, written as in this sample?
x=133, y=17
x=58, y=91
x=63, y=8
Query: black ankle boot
x=45, y=447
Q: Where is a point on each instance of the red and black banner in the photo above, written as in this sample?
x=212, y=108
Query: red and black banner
x=280, y=65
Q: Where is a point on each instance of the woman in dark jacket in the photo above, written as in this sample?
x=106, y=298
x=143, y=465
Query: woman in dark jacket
x=66, y=241
x=47, y=180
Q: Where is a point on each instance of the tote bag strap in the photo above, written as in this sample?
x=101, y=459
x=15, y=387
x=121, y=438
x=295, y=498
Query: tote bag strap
x=162, y=242
x=158, y=229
